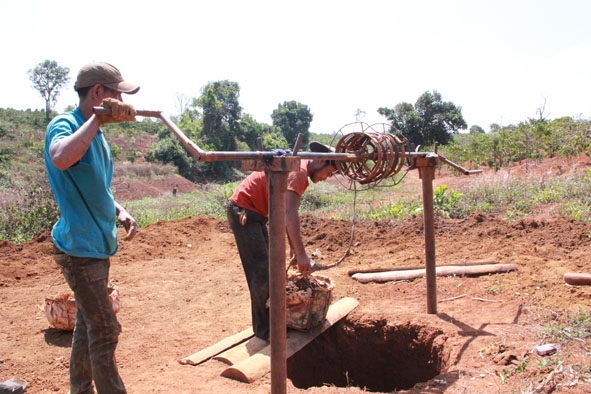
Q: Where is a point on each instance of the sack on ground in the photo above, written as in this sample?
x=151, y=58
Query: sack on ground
x=60, y=309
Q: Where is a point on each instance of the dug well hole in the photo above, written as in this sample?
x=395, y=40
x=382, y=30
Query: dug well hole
x=373, y=354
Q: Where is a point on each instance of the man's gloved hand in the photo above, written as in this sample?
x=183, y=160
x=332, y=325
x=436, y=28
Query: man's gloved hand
x=120, y=112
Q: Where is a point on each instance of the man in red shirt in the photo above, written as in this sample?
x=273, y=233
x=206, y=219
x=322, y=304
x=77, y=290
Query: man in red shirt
x=248, y=212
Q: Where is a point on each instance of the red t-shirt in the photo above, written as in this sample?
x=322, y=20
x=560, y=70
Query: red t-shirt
x=252, y=192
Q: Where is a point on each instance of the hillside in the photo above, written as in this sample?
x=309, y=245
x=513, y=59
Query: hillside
x=21, y=158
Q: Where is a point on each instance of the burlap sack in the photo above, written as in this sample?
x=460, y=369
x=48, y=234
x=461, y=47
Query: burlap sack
x=60, y=309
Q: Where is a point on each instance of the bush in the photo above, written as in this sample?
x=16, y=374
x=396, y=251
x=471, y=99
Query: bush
x=22, y=220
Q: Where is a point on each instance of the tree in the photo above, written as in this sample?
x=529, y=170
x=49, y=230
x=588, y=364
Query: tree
x=48, y=78
x=168, y=149
x=359, y=115
x=430, y=120
x=251, y=130
x=475, y=129
x=495, y=127
x=221, y=120
x=406, y=120
x=221, y=114
x=274, y=140
x=293, y=118
x=182, y=102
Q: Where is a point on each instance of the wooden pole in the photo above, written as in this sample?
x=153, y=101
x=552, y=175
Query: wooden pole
x=426, y=166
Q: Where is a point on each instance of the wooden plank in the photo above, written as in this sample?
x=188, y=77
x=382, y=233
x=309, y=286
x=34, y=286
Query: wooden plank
x=241, y=351
x=215, y=349
x=440, y=271
x=259, y=364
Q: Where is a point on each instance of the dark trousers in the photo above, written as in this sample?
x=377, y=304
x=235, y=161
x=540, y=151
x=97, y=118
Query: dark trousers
x=96, y=332
x=252, y=240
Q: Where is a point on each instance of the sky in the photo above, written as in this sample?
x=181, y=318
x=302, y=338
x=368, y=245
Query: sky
x=500, y=61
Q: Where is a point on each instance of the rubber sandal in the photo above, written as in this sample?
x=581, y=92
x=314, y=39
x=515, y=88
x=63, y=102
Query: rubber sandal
x=13, y=386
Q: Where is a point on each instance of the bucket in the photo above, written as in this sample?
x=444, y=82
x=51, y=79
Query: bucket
x=307, y=300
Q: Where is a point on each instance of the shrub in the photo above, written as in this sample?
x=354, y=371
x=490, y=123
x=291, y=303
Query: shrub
x=22, y=220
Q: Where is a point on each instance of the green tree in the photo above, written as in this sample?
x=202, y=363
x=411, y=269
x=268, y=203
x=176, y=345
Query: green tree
x=274, y=140
x=292, y=118
x=48, y=78
x=430, y=120
x=169, y=149
x=221, y=121
x=251, y=130
x=221, y=114
x=475, y=129
x=405, y=119
x=494, y=127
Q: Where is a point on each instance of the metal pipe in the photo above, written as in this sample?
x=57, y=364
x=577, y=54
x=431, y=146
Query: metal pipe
x=140, y=112
x=201, y=155
x=193, y=149
x=298, y=143
x=427, y=174
x=231, y=155
x=277, y=184
x=458, y=167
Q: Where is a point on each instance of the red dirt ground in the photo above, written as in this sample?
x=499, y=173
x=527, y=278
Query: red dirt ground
x=182, y=289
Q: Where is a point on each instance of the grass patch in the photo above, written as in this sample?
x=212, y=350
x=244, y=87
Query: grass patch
x=515, y=198
x=210, y=201
x=511, y=198
x=569, y=326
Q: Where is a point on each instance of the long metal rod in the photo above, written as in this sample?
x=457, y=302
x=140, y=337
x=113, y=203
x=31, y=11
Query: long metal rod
x=201, y=155
x=277, y=184
x=427, y=175
x=458, y=167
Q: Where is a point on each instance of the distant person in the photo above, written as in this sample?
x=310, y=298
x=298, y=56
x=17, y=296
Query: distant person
x=79, y=166
x=248, y=212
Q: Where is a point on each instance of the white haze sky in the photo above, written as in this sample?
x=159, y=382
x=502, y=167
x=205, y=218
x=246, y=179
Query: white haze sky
x=499, y=60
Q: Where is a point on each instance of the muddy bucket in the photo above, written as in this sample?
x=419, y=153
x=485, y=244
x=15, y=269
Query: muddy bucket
x=307, y=300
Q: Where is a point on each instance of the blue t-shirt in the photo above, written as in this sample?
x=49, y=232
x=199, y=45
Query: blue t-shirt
x=87, y=224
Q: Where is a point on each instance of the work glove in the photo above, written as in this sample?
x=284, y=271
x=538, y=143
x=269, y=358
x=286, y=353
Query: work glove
x=120, y=112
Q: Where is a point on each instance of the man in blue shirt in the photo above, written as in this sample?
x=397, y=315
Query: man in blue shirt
x=80, y=168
